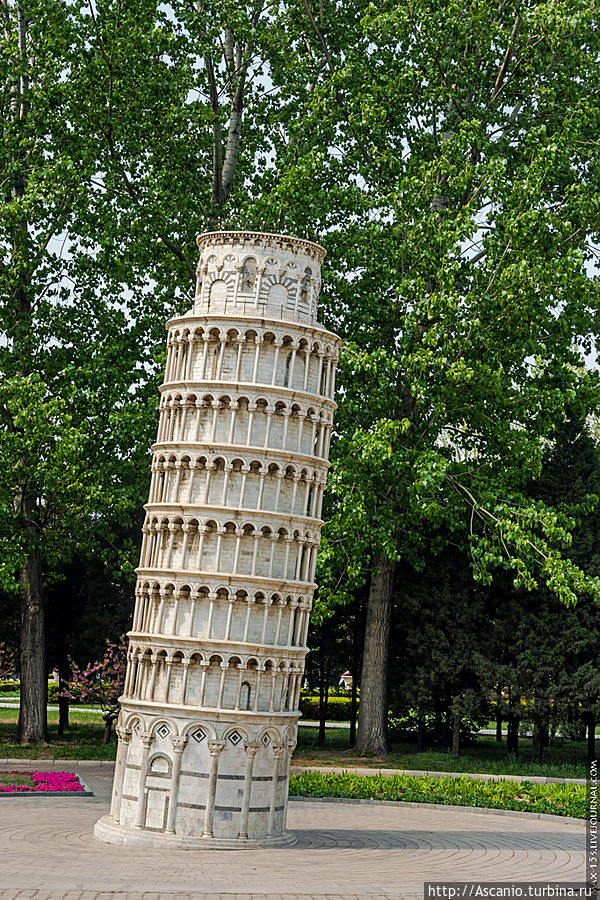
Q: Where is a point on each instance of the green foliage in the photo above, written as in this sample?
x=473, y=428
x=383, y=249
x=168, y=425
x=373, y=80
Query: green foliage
x=459, y=215
x=81, y=740
x=338, y=708
x=563, y=759
x=53, y=692
x=560, y=799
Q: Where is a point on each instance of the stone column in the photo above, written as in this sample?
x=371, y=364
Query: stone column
x=179, y=745
x=277, y=751
x=124, y=736
x=146, y=739
x=251, y=748
x=215, y=748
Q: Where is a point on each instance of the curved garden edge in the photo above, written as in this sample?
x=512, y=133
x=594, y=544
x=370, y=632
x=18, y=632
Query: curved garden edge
x=567, y=801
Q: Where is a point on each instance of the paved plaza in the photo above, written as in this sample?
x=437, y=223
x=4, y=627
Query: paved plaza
x=343, y=851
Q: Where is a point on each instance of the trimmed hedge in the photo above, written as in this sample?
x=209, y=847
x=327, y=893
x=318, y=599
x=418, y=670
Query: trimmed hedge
x=338, y=708
x=11, y=687
x=559, y=799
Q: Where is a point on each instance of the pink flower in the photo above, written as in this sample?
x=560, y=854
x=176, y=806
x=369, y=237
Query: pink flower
x=44, y=782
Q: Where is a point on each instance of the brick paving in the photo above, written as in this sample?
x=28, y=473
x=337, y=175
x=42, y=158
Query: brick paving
x=344, y=852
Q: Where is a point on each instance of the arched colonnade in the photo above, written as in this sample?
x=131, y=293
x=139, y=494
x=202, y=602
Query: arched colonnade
x=242, y=420
x=221, y=614
x=230, y=480
x=225, y=353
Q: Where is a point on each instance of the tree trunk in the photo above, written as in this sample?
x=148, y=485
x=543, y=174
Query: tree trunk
x=421, y=732
x=545, y=733
x=109, y=718
x=591, y=735
x=553, y=723
x=537, y=742
x=323, y=698
x=63, y=714
x=540, y=728
x=353, y=706
x=456, y=721
x=63, y=702
x=32, y=727
x=512, y=734
x=372, y=713
x=499, y=714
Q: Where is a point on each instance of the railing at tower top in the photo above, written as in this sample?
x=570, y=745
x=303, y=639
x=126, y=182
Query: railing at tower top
x=258, y=309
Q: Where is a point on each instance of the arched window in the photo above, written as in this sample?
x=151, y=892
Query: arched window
x=214, y=362
x=323, y=376
x=248, y=280
x=245, y=695
x=286, y=376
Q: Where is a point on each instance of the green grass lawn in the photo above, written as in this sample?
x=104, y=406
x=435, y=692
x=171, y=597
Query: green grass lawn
x=565, y=759
x=83, y=740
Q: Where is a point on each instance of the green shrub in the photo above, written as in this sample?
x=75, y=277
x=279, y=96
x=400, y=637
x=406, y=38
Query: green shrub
x=53, y=692
x=338, y=708
x=9, y=687
x=559, y=799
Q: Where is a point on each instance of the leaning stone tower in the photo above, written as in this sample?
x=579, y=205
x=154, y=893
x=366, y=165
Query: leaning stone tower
x=209, y=712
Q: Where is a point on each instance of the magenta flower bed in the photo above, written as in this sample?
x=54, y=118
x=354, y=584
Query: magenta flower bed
x=43, y=781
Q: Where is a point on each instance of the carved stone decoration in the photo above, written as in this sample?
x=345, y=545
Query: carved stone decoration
x=209, y=711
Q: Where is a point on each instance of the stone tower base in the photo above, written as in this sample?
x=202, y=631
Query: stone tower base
x=110, y=832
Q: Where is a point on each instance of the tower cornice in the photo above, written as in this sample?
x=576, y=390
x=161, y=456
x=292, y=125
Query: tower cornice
x=262, y=239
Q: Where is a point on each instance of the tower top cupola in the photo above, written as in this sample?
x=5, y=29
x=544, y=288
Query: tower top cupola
x=253, y=273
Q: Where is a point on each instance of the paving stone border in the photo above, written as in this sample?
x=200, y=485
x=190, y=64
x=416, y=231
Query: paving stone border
x=345, y=851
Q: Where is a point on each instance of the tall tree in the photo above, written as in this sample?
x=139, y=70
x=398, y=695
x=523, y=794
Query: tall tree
x=39, y=190
x=448, y=154
x=73, y=442
x=127, y=128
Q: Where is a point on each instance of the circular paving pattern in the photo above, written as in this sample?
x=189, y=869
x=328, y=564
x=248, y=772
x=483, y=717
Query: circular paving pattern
x=343, y=850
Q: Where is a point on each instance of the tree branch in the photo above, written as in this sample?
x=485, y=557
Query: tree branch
x=338, y=97
x=498, y=86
